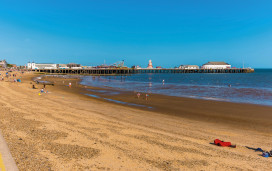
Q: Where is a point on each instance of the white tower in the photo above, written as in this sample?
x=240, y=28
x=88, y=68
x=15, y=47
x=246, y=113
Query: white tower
x=150, y=66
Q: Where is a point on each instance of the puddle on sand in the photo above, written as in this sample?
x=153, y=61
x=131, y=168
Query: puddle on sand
x=106, y=92
x=44, y=82
x=92, y=95
x=119, y=102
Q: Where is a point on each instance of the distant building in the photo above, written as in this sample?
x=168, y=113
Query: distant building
x=3, y=64
x=33, y=65
x=12, y=65
x=150, y=66
x=188, y=67
x=216, y=65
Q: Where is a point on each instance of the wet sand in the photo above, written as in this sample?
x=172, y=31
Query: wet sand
x=239, y=115
x=66, y=130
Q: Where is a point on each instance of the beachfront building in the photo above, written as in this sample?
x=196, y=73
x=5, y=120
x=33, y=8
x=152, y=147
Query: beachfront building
x=188, y=67
x=3, y=64
x=33, y=65
x=216, y=65
x=150, y=66
x=12, y=66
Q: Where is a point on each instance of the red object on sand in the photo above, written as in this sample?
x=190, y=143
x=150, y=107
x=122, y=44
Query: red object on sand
x=222, y=143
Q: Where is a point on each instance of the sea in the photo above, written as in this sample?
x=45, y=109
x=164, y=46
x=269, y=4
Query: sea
x=253, y=88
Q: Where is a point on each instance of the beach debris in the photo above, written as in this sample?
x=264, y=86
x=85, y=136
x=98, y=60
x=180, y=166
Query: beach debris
x=223, y=144
x=266, y=154
x=259, y=149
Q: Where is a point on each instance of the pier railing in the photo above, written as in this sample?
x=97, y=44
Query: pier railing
x=124, y=71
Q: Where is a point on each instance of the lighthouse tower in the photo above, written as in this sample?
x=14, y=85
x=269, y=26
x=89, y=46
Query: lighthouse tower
x=150, y=66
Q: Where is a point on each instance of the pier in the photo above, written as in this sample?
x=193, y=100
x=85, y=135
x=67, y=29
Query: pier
x=126, y=71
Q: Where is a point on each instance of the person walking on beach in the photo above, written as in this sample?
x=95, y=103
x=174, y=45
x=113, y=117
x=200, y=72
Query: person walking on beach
x=138, y=95
x=70, y=85
x=146, y=96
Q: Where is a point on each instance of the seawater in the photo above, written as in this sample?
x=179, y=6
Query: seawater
x=255, y=88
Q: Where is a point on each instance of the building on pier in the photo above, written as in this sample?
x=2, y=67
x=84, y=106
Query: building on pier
x=216, y=65
x=63, y=66
x=136, y=67
x=188, y=67
x=33, y=65
x=73, y=65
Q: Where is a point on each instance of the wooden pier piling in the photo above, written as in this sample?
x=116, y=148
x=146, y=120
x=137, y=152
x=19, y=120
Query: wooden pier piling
x=127, y=71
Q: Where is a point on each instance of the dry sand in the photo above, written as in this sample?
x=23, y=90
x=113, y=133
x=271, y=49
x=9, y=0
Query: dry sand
x=61, y=130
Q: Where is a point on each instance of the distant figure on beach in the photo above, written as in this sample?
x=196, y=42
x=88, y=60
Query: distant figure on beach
x=229, y=85
x=146, y=96
x=162, y=82
x=42, y=90
x=138, y=95
x=70, y=85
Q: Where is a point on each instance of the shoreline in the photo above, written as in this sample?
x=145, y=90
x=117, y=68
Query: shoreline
x=211, y=111
x=66, y=130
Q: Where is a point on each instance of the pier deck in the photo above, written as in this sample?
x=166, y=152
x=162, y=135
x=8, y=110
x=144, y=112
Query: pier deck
x=124, y=71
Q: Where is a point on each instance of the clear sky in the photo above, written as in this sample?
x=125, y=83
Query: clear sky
x=170, y=32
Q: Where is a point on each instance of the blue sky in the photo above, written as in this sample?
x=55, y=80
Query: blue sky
x=169, y=32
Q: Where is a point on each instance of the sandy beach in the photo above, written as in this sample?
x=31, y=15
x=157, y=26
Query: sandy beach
x=67, y=130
